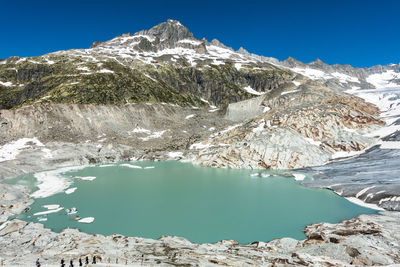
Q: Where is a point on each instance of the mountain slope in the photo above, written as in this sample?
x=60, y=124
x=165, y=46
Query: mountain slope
x=163, y=64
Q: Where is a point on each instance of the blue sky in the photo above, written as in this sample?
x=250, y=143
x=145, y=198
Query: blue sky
x=360, y=33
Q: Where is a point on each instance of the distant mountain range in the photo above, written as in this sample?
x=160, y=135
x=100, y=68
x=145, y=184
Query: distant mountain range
x=168, y=64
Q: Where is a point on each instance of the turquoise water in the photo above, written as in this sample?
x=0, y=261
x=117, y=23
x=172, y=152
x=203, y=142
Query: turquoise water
x=198, y=203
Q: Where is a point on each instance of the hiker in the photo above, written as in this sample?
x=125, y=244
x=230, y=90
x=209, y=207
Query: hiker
x=71, y=263
x=37, y=263
x=87, y=260
x=94, y=260
x=62, y=263
x=80, y=262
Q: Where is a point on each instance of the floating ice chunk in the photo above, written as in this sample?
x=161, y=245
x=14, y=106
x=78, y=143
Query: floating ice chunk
x=52, y=182
x=299, y=176
x=131, y=166
x=42, y=219
x=70, y=190
x=86, y=220
x=86, y=178
x=72, y=211
x=51, y=207
x=106, y=165
x=47, y=212
x=149, y=167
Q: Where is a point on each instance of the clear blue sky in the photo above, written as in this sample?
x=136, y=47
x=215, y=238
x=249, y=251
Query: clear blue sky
x=360, y=33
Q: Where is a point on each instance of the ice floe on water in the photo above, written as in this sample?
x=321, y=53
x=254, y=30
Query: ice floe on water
x=131, y=166
x=70, y=190
x=106, y=165
x=86, y=178
x=86, y=220
x=52, y=182
x=149, y=167
x=48, y=211
x=51, y=207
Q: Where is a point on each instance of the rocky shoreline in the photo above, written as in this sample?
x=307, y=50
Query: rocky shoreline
x=326, y=244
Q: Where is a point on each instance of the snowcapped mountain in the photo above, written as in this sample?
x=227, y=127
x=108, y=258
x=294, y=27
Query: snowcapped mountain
x=346, y=76
x=168, y=64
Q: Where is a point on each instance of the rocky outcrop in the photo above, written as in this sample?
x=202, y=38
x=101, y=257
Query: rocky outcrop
x=302, y=127
x=326, y=245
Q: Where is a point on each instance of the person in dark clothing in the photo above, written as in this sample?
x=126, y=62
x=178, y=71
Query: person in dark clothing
x=37, y=263
x=80, y=262
x=87, y=260
x=62, y=263
x=71, y=263
x=94, y=260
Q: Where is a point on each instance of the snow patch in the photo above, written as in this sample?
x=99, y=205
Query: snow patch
x=364, y=191
x=390, y=145
x=289, y=92
x=252, y=91
x=176, y=154
x=8, y=84
x=154, y=135
x=189, y=116
x=11, y=150
x=299, y=176
x=363, y=204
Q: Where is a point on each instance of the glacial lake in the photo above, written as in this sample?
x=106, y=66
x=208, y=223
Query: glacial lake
x=152, y=199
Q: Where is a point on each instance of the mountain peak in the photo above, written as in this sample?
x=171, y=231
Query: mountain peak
x=170, y=31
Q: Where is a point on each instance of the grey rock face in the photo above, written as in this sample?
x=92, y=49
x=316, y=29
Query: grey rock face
x=300, y=127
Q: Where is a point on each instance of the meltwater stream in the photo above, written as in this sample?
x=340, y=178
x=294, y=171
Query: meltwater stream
x=151, y=199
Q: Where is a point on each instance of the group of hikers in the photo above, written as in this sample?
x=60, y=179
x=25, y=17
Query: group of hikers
x=71, y=262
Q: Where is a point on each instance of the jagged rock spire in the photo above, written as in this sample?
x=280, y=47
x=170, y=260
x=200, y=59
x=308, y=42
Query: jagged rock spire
x=170, y=31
